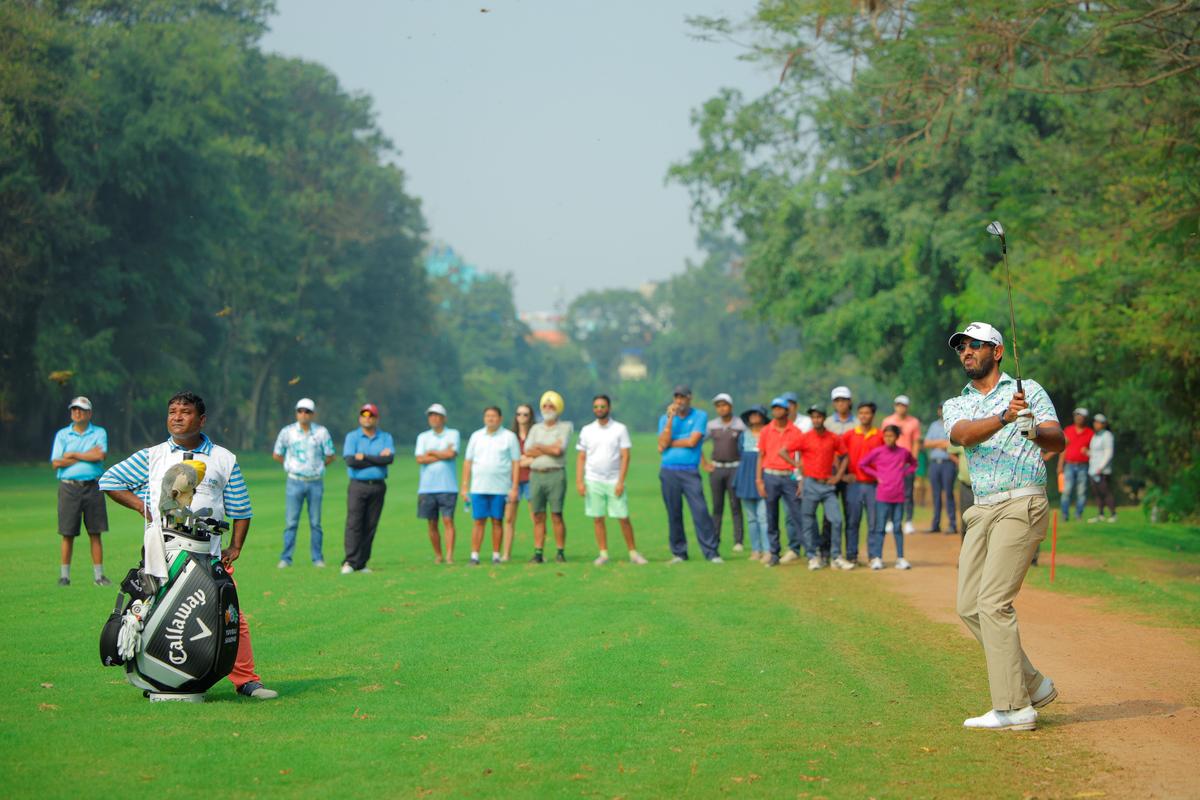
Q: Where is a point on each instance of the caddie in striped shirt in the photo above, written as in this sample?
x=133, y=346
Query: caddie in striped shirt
x=991, y=419
x=135, y=483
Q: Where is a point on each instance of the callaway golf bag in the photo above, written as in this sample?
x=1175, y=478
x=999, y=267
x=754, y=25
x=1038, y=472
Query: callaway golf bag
x=176, y=638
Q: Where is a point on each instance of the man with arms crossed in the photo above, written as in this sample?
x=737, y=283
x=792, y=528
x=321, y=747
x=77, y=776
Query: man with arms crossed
x=547, y=446
x=78, y=460
x=367, y=452
x=305, y=449
x=1003, y=529
x=131, y=483
x=437, y=490
x=680, y=436
x=600, y=471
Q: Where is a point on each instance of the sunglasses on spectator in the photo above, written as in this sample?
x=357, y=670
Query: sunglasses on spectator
x=974, y=344
x=600, y=405
x=365, y=414
x=303, y=411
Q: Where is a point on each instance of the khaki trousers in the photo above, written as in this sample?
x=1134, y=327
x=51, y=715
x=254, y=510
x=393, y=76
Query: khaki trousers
x=999, y=543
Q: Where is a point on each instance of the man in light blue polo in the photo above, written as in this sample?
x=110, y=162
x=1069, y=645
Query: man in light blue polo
x=78, y=460
x=367, y=451
x=437, y=489
x=680, y=435
x=305, y=449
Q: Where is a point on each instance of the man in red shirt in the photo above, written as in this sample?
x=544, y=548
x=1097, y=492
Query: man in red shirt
x=860, y=491
x=1073, y=464
x=823, y=464
x=777, y=442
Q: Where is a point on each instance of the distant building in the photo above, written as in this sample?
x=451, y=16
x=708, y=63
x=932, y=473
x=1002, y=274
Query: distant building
x=441, y=261
x=545, y=326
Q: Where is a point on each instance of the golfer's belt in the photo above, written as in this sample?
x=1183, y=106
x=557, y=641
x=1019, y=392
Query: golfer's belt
x=1012, y=494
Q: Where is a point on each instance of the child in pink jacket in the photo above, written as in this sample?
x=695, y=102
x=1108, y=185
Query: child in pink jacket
x=889, y=465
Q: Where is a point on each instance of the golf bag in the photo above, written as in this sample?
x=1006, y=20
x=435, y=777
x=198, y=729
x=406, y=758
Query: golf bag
x=178, y=638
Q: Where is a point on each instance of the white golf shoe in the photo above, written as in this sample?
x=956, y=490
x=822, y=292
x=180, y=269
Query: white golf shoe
x=842, y=563
x=1045, y=694
x=1023, y=719
x=814, y=564
x=902, y=563
x=789, y=557
x=876, y=563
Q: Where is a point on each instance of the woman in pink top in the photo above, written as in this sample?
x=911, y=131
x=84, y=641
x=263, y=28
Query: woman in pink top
x=889, y=465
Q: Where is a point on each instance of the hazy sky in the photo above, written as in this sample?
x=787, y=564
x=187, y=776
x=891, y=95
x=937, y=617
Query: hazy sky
x=537, y=135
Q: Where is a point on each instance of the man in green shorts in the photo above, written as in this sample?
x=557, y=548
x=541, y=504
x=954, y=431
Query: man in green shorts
x=600, y=472
x=547, y=446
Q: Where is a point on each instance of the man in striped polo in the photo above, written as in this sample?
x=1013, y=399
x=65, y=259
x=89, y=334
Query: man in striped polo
x=1005, y=433
x=136, y=481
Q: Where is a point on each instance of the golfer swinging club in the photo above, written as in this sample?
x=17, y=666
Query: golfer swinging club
x=1005, y=431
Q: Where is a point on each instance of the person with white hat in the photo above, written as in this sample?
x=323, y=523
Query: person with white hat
x=437, y=488
x=1100, y=461
x=724, y=431
x=78, y=460
x=305, y=449
x=839, y=422
x=910, y=439
x=1006, y=432
x=1073, y=464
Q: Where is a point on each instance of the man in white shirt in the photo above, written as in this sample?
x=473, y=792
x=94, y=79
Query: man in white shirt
x=600, y=471
x=305, y=449
x=491, y=471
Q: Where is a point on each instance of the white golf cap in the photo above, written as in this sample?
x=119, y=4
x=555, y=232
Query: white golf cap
x=1081, y=411
x=1100, y=418
x=306, y=403
x=841, y=393
x=80, y=402
x=436, y=408
x=902, y=399
x=723, y=398
x=981, y=331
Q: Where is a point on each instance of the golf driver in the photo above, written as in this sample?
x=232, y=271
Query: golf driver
x=996, y=229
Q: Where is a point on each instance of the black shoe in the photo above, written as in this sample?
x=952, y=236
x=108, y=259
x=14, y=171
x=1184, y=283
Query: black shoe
x=103, y=581
x=560, y=557
x=537, y=559
x=64, y=581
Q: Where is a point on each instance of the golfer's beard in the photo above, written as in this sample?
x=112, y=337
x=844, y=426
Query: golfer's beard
x=982, y=367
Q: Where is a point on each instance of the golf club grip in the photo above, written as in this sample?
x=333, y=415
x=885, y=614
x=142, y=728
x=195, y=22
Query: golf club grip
x=1020, y=386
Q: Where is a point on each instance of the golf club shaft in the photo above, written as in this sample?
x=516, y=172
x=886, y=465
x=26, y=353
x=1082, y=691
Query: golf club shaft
x=1012, y=315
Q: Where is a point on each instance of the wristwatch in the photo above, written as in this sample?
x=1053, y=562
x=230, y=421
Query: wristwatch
x=1003, y=421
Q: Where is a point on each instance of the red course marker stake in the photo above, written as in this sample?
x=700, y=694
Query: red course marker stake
x=1053, y=546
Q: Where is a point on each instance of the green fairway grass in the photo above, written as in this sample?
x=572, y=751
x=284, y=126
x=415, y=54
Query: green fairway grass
x=559, y=680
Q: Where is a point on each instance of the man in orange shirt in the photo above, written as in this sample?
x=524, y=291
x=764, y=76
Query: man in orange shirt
x=910, y=439
x=860, y=489
x=823, y=465
x=773, y=477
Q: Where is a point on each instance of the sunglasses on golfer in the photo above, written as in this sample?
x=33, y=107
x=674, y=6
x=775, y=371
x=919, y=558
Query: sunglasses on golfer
x=974, y=344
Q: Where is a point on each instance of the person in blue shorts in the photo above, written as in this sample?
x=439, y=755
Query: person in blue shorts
x=491, y=470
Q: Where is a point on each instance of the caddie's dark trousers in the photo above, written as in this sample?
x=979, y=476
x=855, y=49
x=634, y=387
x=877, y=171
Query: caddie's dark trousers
x=942, y=477
x=678, y=485
x=364, y=505
x=720, y=480
x=826, y=543
x=782, y=487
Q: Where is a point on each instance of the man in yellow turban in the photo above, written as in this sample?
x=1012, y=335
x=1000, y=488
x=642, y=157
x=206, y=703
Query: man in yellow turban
x=547, y=446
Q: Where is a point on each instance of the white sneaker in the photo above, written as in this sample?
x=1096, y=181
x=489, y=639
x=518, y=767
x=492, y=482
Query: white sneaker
x=814, y=564
x=737, y=548
x=716, y=560
x=283, y=564
x=676, y=560
x=347, y=569
x=319, y=564
x=364, y=571
x=1113, y=518
x=1045, y=695
x=789, y=557
x=909, y=529
x=1094, y=520
x=1023, y=719
x=876, y=563
x=902, y=563
x=889, y=527
x=637, y=558
x=601, y=561
x=842, y=563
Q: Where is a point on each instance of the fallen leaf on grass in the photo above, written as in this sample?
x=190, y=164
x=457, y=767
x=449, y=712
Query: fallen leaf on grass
x=236, y=734
x=701, y=705
x=285, y=772
x=876, y=724
x=386, y=610
x=357, y=715
x=811, y=778
x=752, y=777
x=419, y=737
x=51, y=686
x=47, y=707
x=487, y=771
x=928, y=750
x=370, y=687
x=737, y=779
x=579, y=776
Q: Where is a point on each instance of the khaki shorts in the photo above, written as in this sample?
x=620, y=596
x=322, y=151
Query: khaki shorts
x=547, y=489
x=601, y=500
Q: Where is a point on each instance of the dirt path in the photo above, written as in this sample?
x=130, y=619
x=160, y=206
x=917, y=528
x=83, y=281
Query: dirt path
x=1130, y=690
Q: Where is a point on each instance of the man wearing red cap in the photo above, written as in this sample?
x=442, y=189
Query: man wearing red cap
x=367, y=451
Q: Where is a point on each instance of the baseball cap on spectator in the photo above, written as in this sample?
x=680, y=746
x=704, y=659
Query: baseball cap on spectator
x=374, y=409
x=436, y=408
x=306, y=404
x=723, y=397
x=80, y=402
x=902, y=399
x=840, y=393
x=978, y=330
x=682, y=389
x=1081, y=411
x=790, y=397
x=1100, y=418
x=815, y=409
x=779, y=402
